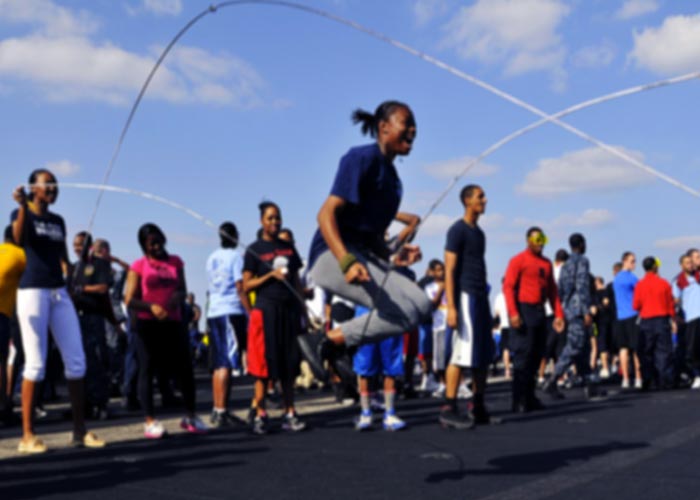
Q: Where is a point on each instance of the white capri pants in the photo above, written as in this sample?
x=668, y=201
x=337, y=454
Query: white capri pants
x=39, y=309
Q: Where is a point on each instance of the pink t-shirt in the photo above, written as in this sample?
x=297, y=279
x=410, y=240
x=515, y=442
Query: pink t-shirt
x=159, y=281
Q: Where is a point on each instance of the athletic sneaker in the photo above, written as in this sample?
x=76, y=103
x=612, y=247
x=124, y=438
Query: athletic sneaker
x=428, y=383
x=154, y=430
x=193, y=425
x=625, y=384
x=292, y=423
x=440, y=391
x=604, y=374
x=220, y=419
x=393, y=423
x=696, y=383
x=259, y=426
x=480, y=415
x=363, y=422
x=450, y=419
x=638, y=383
x=464, y=392
x=551, y=389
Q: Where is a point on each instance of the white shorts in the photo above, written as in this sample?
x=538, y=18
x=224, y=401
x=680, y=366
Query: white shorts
x=472, y=342
x=37, y=310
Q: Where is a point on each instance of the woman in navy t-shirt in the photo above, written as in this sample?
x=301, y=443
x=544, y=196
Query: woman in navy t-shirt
x=349, y=254
x=43, y=302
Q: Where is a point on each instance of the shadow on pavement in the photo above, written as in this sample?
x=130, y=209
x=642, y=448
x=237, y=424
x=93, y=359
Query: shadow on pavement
x=74, y=470
x=541, y=462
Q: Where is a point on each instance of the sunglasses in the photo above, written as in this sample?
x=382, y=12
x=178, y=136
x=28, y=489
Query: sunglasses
x=539, y=239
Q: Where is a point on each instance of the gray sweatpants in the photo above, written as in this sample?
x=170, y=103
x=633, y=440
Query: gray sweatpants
x=400, y=307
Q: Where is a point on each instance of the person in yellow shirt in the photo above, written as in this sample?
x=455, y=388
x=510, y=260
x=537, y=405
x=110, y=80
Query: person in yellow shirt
x=12, y=264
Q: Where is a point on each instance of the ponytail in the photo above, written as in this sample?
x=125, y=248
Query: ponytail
x=370, y=122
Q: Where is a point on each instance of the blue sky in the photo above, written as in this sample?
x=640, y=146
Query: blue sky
x=255, y=101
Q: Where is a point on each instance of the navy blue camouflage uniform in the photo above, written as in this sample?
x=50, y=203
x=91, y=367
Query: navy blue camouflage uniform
x=576, y=300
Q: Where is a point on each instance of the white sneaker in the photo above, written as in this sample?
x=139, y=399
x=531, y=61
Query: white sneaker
x=696, y=383
x=154, y=430
x=393, y=423
x=423, y=383
x=604, y=374
x=363, y=422
x=464, y=392
x=431, y=384
x=625, y=384
x=638, y=383
x=439, y=392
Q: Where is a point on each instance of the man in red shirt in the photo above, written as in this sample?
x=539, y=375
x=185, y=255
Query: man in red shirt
x=527, y=287
x=653, y=300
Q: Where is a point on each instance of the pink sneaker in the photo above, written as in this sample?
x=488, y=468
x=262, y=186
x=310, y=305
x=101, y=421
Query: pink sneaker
x=194, y=425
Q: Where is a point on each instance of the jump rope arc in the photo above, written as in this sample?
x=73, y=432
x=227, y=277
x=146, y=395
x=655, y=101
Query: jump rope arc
x=434, y=61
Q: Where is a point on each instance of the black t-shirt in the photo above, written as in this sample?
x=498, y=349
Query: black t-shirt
x=469, y=243
x=93, y=272
x=44, y=242
x=263, y=256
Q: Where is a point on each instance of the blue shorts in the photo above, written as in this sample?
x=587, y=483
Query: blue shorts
x=385, y=357
x=220, y=338
x=425, y=340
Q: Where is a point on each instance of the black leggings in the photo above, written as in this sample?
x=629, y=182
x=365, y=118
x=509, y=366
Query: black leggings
x=162, y=347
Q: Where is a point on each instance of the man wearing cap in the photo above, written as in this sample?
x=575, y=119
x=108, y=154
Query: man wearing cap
x=528, y=285
x=654, y=301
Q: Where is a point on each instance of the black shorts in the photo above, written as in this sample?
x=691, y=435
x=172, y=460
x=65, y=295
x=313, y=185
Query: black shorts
x=605, y=337
x=627, y=333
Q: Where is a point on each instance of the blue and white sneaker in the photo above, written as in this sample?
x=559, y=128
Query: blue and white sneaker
x=364, y=421
x=393, y=423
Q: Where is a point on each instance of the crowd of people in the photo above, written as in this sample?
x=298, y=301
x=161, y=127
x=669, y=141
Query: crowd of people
x=353, y=315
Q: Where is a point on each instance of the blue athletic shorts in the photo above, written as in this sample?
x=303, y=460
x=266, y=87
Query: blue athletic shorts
x=425, y=340
x=385, y=357
x=220, y=338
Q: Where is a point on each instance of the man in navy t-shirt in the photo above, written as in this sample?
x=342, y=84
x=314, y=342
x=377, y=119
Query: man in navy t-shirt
x=468, y=311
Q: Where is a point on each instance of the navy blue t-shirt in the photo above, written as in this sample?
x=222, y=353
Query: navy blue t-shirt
x=44, y=243
x=469, y=243
x=368, y=182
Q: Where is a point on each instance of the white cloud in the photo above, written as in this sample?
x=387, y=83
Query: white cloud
x=592, y=217
x=49, y=18
x=163, y=7
x=63, y=168
x=594, y=56
x=449, y=169
x=635, y=8
x=587, y=169
x=427, y=10
x=71, y=66
x=520, y=34
x=673, y=47
x=679, y=243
